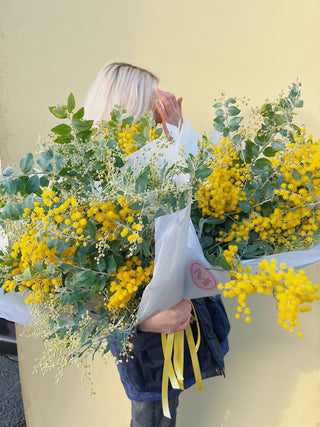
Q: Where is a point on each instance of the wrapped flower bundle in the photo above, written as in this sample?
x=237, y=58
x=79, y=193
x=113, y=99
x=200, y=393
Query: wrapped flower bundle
x=262, y=199
x=81, y=225
x=85, y=220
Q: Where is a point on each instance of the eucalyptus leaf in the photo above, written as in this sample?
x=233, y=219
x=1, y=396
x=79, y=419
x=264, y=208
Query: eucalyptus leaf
x=142, y=181
x=33, y=184
x=28, y=202
x=206, y=242
x=79, y=114
x=83, y=336
x=310, y=187
x=71, y=103
x=145, y=248
x=51, y=241
x=67, y=267
x=214, y=221
x=279, y=182
x=203, y=173
x=45, y=160
x=26, y=163
x=257, y=195
x=10, y=212
x=77, y=296
x=119, y=162
x=64, y=139
x=236, y=139
x=269, y=152
x=90, y=230
x=245, y=205
x=44, y=182
x=263, y=164
x=233, y=111
x=62, y=129
x=10, y=186
x=84, y=278
x=234, y=123
x=127, y=121
x=136, y=206
x=230, y=101
x=226, y=132
x=268, y=191
x=159, y=212
x=219, y=127
x=80, y=255
x=224, y=264
x=51, y=268
x=62, y=245
x=277, y=145
x=84, y=135
x=81, y=125
x=296, y=175
x=99, y=265
x=111, y=265
x=38, y=267
x=8, y=171
x=220, y=119
x=27, y=273
x=58, y=112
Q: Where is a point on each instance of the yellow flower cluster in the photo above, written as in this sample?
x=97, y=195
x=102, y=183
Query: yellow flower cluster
x=30, y=251
x=66, y=220
x=221, y=192
x=152, y=134
x=33, y=249
x=128, y=279
x=294, y=219
x=126, y=138
x=112, y=218
x=293, y=291
x=282, y=227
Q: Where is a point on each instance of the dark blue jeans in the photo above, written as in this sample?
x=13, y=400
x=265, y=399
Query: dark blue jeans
x=149, y=414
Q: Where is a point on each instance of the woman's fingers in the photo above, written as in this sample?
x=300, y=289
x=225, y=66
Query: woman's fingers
x=174, y=319
x=161, y=116
x=169, y=107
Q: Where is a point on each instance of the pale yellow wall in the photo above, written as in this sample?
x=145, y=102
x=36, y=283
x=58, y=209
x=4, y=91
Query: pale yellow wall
x=250, y=47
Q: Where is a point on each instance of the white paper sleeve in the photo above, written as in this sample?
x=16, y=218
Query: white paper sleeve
x=12, y=305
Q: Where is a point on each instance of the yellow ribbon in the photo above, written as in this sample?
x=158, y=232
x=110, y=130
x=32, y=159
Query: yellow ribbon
x=173, y=348
x=178, y=357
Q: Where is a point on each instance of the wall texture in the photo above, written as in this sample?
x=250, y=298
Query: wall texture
x=247, y=47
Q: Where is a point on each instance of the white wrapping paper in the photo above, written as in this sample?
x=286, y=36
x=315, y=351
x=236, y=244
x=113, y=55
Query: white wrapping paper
x=12, y=305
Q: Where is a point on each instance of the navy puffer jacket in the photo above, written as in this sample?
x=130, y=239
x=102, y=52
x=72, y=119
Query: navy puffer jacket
x=142, y=374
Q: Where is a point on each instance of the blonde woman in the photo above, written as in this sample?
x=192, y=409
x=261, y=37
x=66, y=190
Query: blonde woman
x=136, y=90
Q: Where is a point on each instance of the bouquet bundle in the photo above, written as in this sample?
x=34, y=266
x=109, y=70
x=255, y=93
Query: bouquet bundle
x=262, y=201
x=81, y=227
x=100, y=232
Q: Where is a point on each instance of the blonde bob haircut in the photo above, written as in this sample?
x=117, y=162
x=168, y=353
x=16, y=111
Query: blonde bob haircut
x=131, y=87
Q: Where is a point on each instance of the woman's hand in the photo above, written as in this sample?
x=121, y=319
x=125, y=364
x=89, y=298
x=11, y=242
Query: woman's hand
x=168, y=109
x=174, y=319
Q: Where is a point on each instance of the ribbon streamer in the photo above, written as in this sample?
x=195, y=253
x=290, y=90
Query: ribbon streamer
x=173, y=349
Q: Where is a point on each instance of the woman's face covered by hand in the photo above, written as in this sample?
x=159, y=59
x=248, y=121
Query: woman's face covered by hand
x=167, y=109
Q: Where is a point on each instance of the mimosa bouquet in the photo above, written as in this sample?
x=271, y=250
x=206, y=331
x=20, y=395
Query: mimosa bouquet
x=258, y=213
x=82, y=225
x=100, y=230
